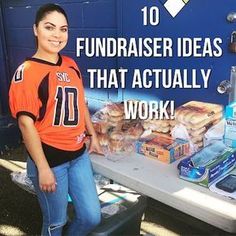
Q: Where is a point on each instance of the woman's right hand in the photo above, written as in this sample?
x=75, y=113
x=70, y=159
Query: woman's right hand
x=47, y=180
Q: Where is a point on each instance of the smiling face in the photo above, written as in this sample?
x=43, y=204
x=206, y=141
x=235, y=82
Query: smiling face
x=52, y=33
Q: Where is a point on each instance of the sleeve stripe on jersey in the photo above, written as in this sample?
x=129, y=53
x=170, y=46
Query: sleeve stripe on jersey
x=26, y=113
x=43, y=94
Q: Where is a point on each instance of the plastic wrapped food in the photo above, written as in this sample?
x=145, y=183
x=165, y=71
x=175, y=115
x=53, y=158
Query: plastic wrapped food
x=116, y=135
x=100, y=180
x=23, y=181
x=198, y=117
x=208, y=154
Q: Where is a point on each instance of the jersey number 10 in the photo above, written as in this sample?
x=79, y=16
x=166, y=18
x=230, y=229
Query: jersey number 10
x=66, y=110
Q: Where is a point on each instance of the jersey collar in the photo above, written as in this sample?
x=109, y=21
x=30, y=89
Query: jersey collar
x=45, y=62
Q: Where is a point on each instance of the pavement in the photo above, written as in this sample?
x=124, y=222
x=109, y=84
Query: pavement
x=20, y=213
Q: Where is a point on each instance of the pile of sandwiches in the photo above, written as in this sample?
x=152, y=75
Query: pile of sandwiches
x=115, y=132
x=158, y=126
x=198, y=117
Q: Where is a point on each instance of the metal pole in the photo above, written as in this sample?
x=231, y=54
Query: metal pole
x=232, y=94
x=4, y=79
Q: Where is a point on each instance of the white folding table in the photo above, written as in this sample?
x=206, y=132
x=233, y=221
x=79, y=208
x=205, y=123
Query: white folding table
x=160, y=181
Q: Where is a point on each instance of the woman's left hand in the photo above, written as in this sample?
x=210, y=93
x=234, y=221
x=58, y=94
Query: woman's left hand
x=95, y=146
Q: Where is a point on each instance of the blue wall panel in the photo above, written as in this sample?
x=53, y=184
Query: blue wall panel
x=75, y=14
x=3, y=69
x=201, y=18
x=19, y=17
x=101, y=14
x=123, y=18
x=21, y=38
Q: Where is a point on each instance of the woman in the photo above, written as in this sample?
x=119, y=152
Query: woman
x=47, y=98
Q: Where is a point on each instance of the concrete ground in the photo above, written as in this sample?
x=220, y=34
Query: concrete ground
x=20, y=213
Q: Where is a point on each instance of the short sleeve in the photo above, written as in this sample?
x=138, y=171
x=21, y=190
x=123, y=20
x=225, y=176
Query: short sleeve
x=23, y=93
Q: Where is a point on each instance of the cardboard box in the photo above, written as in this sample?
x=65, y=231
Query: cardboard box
x=206, y=175
x=163, y=148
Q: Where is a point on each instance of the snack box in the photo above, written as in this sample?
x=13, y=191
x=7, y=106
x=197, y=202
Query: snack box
x=206, y=175
x=163, y=148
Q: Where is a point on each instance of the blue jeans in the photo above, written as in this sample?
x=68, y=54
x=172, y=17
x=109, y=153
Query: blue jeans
x=76, y=179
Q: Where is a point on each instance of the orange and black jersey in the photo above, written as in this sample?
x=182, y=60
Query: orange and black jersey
x=53, y=96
